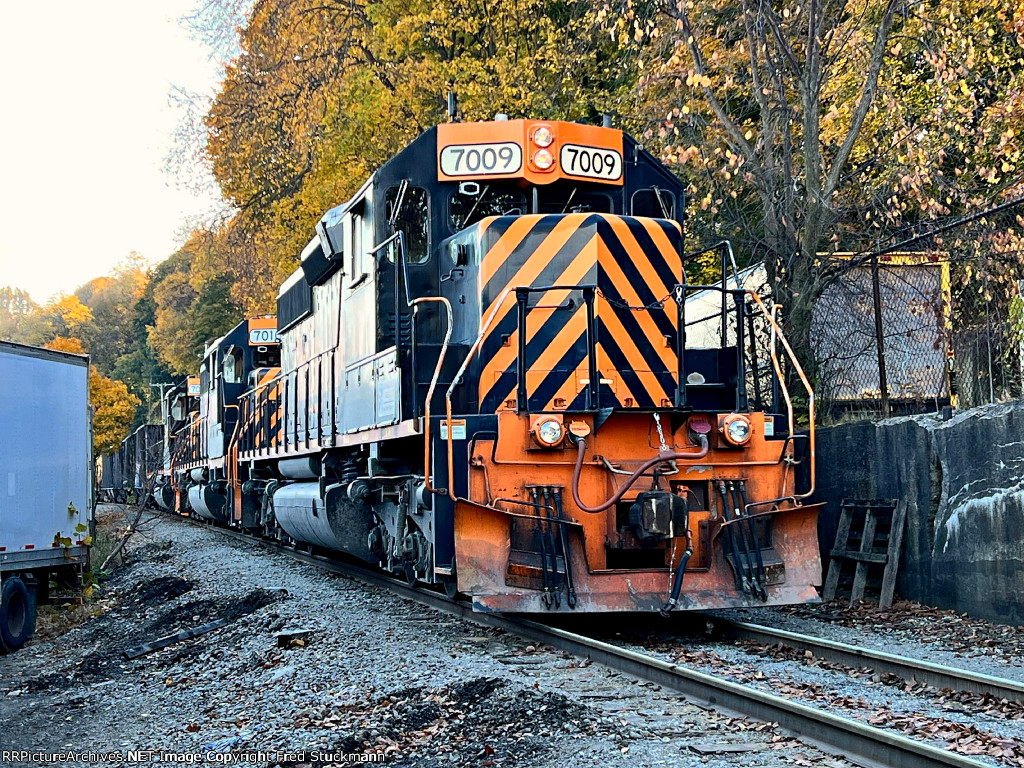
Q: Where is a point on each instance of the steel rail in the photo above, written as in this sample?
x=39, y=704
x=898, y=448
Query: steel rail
x=936, y=675
x=830, y=732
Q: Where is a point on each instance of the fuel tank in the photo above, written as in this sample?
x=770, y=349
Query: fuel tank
x=163, y=495
x=207, y=502
x=333, y=522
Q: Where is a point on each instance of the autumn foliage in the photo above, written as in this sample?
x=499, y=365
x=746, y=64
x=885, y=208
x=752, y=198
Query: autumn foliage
x=96, y=320
x=809, y=128
x=802, y=129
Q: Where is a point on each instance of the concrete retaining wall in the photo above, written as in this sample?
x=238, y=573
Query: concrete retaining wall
x=963, y=480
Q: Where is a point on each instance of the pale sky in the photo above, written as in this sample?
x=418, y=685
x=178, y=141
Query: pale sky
x=85, y=125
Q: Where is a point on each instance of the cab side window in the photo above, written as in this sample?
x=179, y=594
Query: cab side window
x=413, y=219
x=232, y=366
x=653, y=203
x=356, y=267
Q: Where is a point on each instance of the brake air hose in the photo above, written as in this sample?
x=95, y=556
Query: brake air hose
x=661, y=458
x=677, y=585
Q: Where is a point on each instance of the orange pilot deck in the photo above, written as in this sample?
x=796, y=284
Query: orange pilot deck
x=521, y=499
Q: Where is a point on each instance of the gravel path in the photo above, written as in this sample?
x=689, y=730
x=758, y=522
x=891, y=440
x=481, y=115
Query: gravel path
x=378, y=675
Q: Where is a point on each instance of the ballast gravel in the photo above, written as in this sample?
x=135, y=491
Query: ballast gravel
x=372, y=674
x=986, y=730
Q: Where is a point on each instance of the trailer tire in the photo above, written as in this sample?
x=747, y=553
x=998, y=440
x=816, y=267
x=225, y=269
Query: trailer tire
x=17, y=614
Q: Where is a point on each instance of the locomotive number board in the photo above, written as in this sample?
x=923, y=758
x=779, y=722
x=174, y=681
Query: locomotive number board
x=591, y=162
x=481, y=159
x=537, y=151
x=258, y=336
x=262, y=331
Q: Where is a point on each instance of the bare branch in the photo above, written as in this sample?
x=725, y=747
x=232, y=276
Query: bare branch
x=866, y=97
x=720, y=112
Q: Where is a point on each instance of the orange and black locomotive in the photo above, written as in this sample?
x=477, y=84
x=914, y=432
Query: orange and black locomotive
x=491, y=378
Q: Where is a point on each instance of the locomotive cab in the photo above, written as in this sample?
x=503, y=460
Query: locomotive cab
x=209, y=419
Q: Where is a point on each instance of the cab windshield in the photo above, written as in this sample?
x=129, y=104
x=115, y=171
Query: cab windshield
x=473, y=202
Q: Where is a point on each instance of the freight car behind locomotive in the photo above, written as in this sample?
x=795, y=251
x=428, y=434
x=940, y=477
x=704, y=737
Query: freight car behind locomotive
x=129, y=473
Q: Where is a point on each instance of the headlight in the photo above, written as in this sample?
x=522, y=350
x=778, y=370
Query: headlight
x=543, y=137
x=739, y=431
x=549, y=432
x=543, y=159
x=736, y=429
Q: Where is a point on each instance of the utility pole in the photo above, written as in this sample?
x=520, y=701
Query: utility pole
x=883, y=383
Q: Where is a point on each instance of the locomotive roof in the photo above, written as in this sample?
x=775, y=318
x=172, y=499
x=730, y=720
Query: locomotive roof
x=239, y=335
x=219, y=341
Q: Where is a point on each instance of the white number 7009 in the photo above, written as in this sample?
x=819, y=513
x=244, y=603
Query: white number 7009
x=592, y=162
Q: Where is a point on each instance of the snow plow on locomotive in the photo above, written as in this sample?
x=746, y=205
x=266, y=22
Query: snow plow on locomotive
x=485, y=383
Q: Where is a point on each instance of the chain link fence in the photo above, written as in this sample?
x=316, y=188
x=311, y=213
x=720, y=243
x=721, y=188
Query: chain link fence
x=912, y=333
x=883, y=338
x=988, y=353
x=904, y=333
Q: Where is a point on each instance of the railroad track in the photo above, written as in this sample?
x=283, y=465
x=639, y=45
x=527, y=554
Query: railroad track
x=935, y=675
x=832, y=733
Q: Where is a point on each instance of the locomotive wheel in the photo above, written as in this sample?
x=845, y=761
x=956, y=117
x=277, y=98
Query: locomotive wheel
x=451, y=588
x=409, y=571
x=17, y=614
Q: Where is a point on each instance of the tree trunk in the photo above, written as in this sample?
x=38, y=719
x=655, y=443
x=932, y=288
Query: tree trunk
x=790, y=272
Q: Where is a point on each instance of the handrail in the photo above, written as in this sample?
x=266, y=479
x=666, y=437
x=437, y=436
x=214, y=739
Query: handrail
x=190, y=442
x=430, y=390
x=726, y=247
x=457, y=379
x=399, y=236
x=728, y=259
x=589, y=297
x=803, y=380
x=280, y=380
x=777, y=308
x=680, y=292
x=284, y=375
x=257, y=401
x=305, y=363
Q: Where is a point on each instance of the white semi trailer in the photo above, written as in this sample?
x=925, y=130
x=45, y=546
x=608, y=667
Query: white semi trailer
x=46, y=494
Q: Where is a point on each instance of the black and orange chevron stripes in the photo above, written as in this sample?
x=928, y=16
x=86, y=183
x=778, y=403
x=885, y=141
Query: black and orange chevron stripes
x=262, y=411
x=633, y=263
